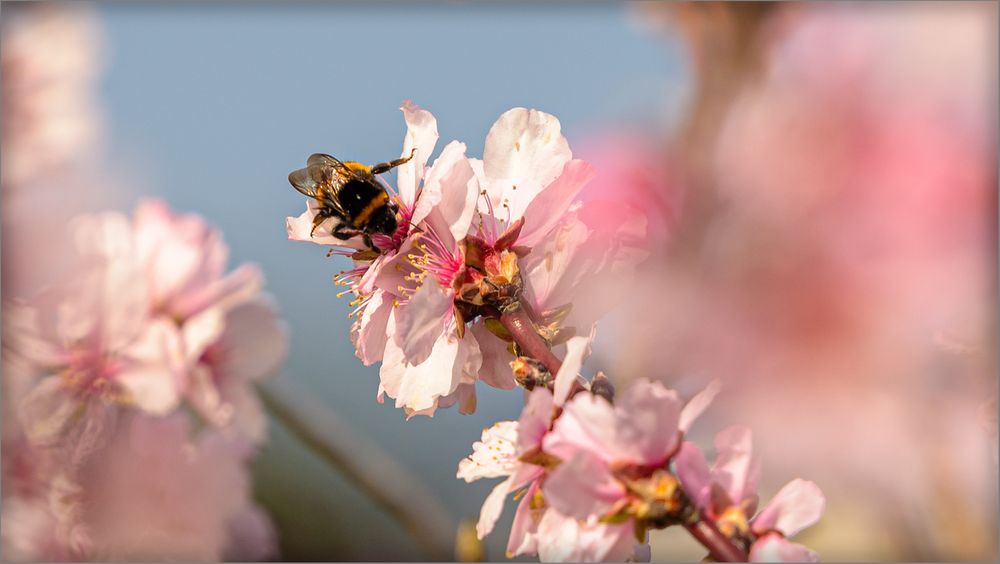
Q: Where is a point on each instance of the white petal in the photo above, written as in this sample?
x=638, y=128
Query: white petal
x=255, y=341
x=422, y=321
x=422, y=135
x=373, y=328
x=46, y=411
x=698, y=404
x=525, y=144
x=798, y=505
x=577, y=349
x=549, y=207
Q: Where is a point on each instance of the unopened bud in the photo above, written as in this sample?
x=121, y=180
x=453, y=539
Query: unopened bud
x=600, y=385
x=530, y=373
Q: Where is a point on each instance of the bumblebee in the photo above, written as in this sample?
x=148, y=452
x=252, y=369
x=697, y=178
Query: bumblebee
x=350, y=193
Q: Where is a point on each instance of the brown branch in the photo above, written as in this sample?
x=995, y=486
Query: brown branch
x=717, y=544
x=373, y=471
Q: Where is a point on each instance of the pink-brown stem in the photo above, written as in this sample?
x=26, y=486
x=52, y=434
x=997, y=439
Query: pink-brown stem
x=520, y=327
x=717, y=544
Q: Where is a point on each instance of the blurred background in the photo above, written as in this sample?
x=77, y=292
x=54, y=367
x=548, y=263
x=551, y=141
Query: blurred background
x=820, y=181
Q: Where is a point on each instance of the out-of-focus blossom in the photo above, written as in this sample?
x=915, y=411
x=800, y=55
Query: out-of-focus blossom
x=50, y=64
x=99, y=462
x=51, y=134
x=727, y=493
x=850, y=225
x=155, y=494
x=229, y=335
x=93, y=345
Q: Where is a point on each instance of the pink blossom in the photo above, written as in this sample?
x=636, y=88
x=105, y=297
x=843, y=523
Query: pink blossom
x=185, y=264
x=642, y=428
x=89, y=342
x=404, y=309
x=726, y=493
x=157, y=494
x=250, y=348
x=500, y=453
x=230, y=336
x=51, y=59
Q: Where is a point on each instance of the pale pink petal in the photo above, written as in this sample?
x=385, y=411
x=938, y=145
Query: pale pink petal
x=451, y=188
x=228, y=291
x=29, y=531
x=649, y=415
x=206, y=398
x=535, y=420
x=523, y=531
x=299, y=229
x=494, y=455
x=550, y=206
x=693, y=472
x=23, y=333
x=588, y=422
x=564, y=539
x=557, y=537
x=582, y=487
x=251, y=537
x=373, y=328
x=394, y=272
x=526, y=149
x=249, y=419
x=798, y=505
x=46, y=411
x=698, y=404
x=493, y=507
x=577, y=349
x=200, y=331
x=107, y=234
x=439, y=375
x=393, y=364
x=495, y=370
x=422, y=322
x=159, y=344
x=735, y=470
x=152, y=388
x=422, y=135
x=255, y=341
x=773, y=548
x=552, y=270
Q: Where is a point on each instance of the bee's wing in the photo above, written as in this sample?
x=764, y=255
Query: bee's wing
x=321, y=171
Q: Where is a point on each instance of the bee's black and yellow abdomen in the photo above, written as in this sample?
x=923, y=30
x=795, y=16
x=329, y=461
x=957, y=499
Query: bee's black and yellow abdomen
x=360, y=199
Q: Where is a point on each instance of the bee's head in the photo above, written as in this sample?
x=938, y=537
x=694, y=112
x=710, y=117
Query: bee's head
x=383, y=221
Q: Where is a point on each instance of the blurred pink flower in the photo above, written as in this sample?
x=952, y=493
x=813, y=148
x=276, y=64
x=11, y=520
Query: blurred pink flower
x=727, y=494
x=50, y=63
x=185, y=264
x=157, y=494
x=230, y=336
x=89, y=340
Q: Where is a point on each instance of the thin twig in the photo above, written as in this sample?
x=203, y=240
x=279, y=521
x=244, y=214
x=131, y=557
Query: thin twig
x=373, y=471
x=717, y=544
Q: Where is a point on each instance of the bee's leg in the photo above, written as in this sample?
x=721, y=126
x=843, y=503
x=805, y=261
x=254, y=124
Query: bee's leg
x=344, y=232
x=386, y=167
x=317, y=221
x=368, y=241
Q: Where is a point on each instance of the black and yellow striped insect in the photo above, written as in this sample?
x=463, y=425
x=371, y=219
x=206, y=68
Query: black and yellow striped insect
x=350, y=193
